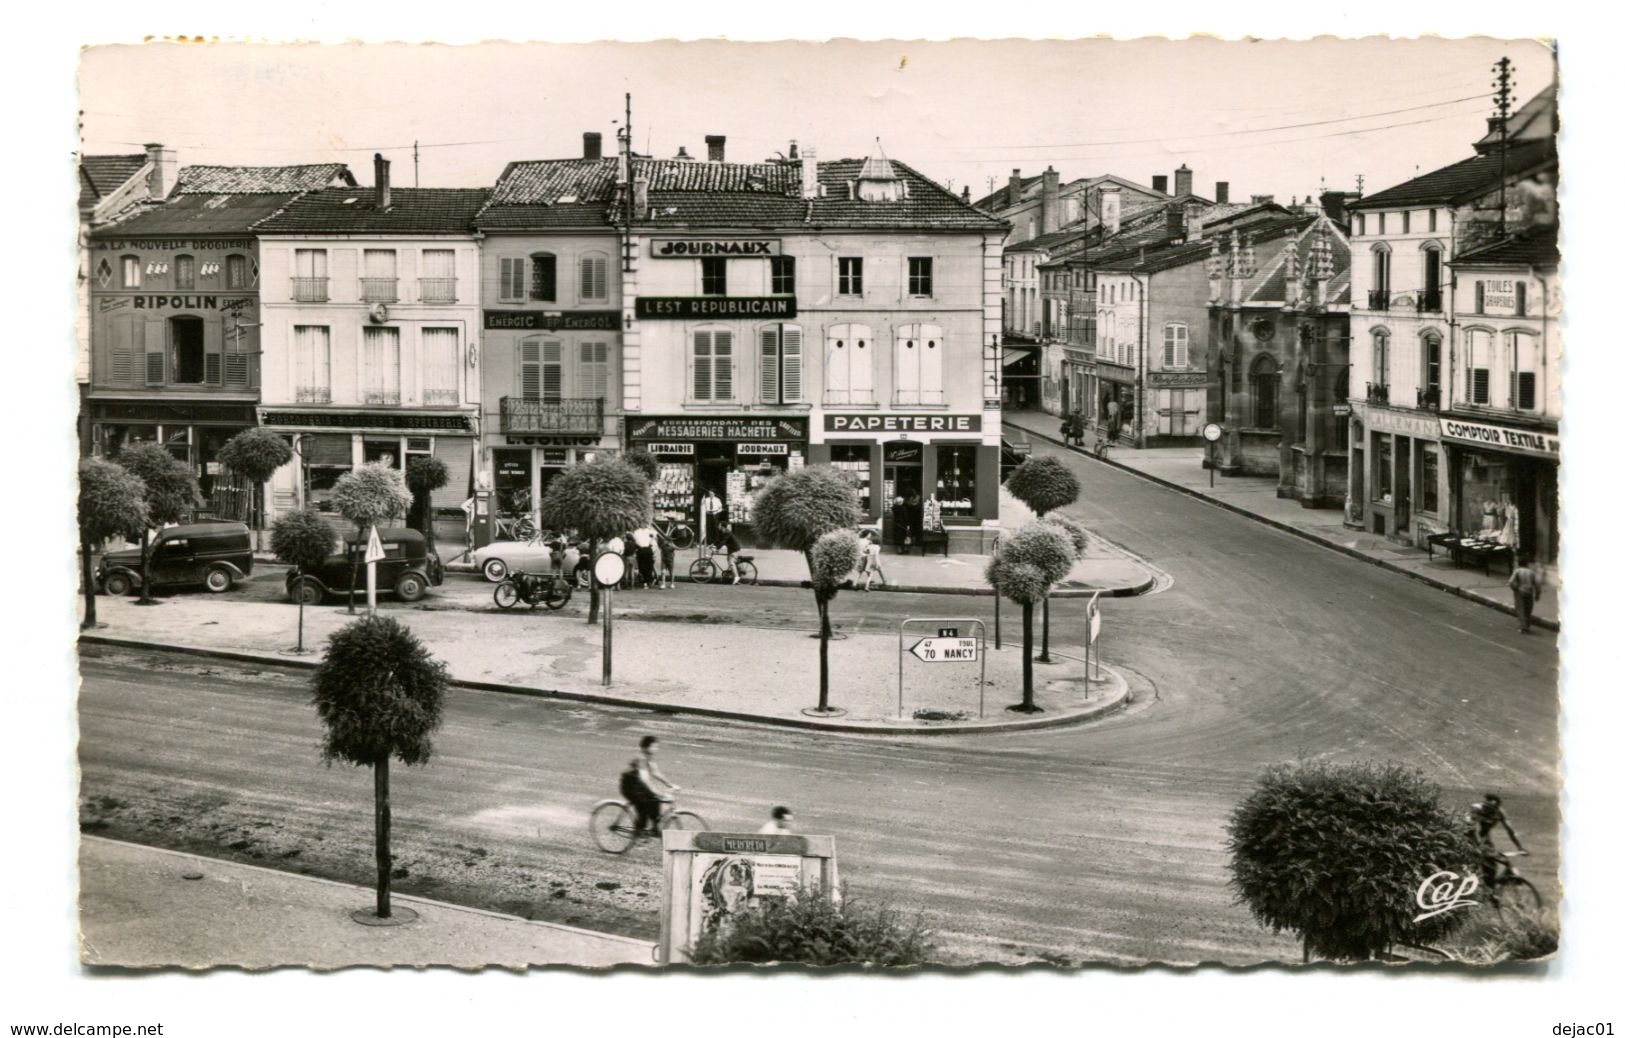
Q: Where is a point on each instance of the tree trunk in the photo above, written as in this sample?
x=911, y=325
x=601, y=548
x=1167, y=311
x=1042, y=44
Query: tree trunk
x=1027, y=703
x=592, y=605
x=823, y=651
x=299, y=592
x=1043, y=655
x=146, y=566
x=427, y=518
x=354, y=557
x=90, y=587
x=380, y=796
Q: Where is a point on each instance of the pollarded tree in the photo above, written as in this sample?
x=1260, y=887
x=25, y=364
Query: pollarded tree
x=796, y=511
x=172, y=493
x=1044, y=484
x=1338, y=853
x=1027, y=565
x=645, y=463
x=303, y=540
x=112, y=501
x=599, y=500
x=425, y=475
x=368, y=496
x=378, y=693
x=1073, y=529
x=254, y=455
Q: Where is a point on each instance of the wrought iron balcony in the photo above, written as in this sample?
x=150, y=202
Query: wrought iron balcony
x=437, y=290
x=379, y=290
x=313, y=395
x=1377, y=299
x=310, y=290
x=573, y=416
x=1430, y=301
x=1376, y=392
x=1427, y=398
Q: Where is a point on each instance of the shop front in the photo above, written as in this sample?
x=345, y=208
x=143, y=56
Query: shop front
x=1079, y=388
x=193, y=433
x=1180, y=399
x=917, y=474
x=1504, y=484
x=728, y=457
x=1400, y=487
x=1116, y=387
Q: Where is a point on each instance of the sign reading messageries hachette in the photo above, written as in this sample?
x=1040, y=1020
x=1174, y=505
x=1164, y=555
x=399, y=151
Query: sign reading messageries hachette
x=707, y=877
x=689, y=248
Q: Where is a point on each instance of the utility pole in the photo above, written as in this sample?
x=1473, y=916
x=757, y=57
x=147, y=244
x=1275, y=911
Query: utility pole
x=1503, y=105
x=414, y=163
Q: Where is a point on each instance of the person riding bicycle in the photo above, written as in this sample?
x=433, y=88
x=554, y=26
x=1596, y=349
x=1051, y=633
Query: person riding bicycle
x=1486, y=816
x=637, y=786
x=728, y=541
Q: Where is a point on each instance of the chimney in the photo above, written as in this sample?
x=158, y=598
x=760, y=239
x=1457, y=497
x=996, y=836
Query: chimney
x=713, y=147
x=1193, y=220
x=1159, y=183
x=1182, y=180
x=1495, y=123
x=161, y=177
x=1221, y=191
x=964, y=194
x=1263, y=199
x=1111, y=210
x=1013, y=193
x=1175, y=217
x=592, y=145
x=809, y=173
x=1335, y=203
x=793, y=155
x=640, y=198
x=380, y=181
x=1050, y=201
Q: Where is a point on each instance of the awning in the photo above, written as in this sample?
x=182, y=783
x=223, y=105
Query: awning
x=1017, y=354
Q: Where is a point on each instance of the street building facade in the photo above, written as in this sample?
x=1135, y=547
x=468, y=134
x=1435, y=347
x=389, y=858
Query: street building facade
x=371, y=313
x=551, y=321
x=804, y=312
x=1408, y=341
x=175, y=316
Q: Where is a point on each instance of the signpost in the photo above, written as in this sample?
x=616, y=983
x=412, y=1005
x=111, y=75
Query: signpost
x=375, y=555
x=1211, y=433
x=1090, y=635
x=607, y=570
x=707, y=876
x=948, y=646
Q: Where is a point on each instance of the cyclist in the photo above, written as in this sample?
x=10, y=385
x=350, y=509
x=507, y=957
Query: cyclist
x=728, y=541
x=1486, y=816
x=637, y=786
x=781, y=821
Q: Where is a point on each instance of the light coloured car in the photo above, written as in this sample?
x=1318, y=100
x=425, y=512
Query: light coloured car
x=499, y=558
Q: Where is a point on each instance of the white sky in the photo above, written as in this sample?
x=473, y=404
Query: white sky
x=1281, y=117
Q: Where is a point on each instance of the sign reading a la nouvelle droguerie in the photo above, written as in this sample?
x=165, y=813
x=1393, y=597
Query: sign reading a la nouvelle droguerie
x=679, y=308
x=682, y=427
x=688, y=248
x=903, y=423
x=553, y=320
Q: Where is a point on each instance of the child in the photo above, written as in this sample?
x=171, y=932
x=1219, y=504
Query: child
x=869, y=561
x=668, y=559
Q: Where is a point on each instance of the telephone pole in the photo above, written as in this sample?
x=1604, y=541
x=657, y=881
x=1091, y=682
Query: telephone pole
x=414, y=163
x=1503, y=105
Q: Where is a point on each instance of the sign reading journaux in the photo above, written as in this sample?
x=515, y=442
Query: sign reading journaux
x=689, y=248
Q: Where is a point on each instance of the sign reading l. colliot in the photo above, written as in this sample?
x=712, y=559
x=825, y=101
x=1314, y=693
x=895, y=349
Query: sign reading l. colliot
x=945, y=650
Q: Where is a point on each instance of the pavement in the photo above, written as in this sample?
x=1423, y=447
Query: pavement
x=1181, y=469
x=221, y=913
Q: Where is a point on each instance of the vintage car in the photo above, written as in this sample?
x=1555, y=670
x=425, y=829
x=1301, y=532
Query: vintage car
x=499, y=558
x=209, y=555
x=408, y=568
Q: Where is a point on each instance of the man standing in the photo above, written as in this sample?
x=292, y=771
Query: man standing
x=1525, y=592
x=710, y=514
x=1114, y=420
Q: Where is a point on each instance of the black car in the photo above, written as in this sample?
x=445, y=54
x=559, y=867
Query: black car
x=408, y=568
x=210, y=555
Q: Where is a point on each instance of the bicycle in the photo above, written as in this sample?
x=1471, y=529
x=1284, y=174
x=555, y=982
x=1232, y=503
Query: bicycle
x=516, y=527
x=1102, y=444
x=680, y=533
x=1507, y=890
x=705, y=569
x=533, y=589
x=613, y=824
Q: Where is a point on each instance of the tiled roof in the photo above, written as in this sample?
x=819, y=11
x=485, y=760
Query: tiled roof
x=1055, y=239
x=592, y=216
x=729, y=177
x=412, y=210
x=198, y=214
x=1156, y=258
x=1534, y=121
x=100, y=175
x=1461, y=181
x=1268, y=285
x=546, y=181
x=259, y=180
x=1536, y=248
x=1001, y=199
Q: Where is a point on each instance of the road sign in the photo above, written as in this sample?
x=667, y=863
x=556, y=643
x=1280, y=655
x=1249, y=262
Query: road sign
x=945, y=650
x=947, y=632
x=1211, y=432
x=608, y=569
x=375, y=547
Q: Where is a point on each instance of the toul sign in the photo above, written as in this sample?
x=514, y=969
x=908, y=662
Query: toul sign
x=945, y=650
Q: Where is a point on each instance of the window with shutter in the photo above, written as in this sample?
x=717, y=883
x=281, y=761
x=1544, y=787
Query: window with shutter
x=1175, y=346
x=129, y=344
x=513, y=279
x=722, y=350
x=931, y=362
x=382, y=351
x=440, y=368
x=838, y=365
x=544, y=277
x=862, y=370
x=908, y=364
x=552, y=371
x=768, y=365
x=311, y=359
x=702, y=366
x=790, y=362
x=592, y=373
x=530, y=369
x=593, y=281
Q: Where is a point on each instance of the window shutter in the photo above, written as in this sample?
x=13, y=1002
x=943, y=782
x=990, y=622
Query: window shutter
x=530, y=369
x=768, y=369
x=908, y=365
x=861, y=365
x=128, y=343
x=931, y=367
x=1478, y=297
x=1526, y=390
x=544, y=278
x=155, y=358
x=513, y=279
x=211, y=368
x=722, y=345
x=702, y=366
x=790, y=349
x=1481, y=385
x=838, y=367
x=1168, y=346
x=552, y=370
x=592, y=277
x=592, y=374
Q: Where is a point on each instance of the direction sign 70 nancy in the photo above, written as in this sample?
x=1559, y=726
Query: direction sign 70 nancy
x=945, y=650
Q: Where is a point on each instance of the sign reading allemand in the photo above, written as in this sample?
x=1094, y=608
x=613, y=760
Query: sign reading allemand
x=680, y=308
x=1500, y=437
x=688, y=248
x=903, y=423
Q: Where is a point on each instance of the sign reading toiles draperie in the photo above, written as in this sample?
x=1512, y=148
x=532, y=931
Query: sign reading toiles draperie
x=678, y=308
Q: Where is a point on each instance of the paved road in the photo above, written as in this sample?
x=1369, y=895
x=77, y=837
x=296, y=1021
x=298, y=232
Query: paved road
x=1099, y=842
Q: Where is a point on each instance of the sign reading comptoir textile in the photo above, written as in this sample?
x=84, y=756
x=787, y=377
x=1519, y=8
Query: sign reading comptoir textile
x=1499, y=437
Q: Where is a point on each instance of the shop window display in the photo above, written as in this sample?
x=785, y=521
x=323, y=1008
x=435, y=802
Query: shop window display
x=956, y=481
x=855, y=462
x=674, y=491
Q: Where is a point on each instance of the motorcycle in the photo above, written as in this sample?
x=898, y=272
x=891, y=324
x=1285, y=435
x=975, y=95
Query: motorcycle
x=533, y=589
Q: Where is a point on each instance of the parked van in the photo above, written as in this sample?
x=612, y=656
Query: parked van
x=214, y=555
x=409, y=568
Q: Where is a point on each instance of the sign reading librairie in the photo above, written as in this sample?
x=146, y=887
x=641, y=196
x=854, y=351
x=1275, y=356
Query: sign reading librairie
x=903, y=423
x=679, y=308
x=688, y=248
x=553, y=320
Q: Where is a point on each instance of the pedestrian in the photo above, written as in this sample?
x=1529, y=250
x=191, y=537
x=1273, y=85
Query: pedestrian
x=916, y=514
x=780, y=822
x=668, y=559
x=1114, y=420
x=710, y=516
x=644, y=538
x=1525, y=587
x=869, y=561
x=629, y=555
x=899, y=524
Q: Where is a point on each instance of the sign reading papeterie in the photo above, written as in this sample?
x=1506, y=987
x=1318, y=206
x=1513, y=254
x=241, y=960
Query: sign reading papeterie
x=903, y=423
x=688, y=248
x=680, y=308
